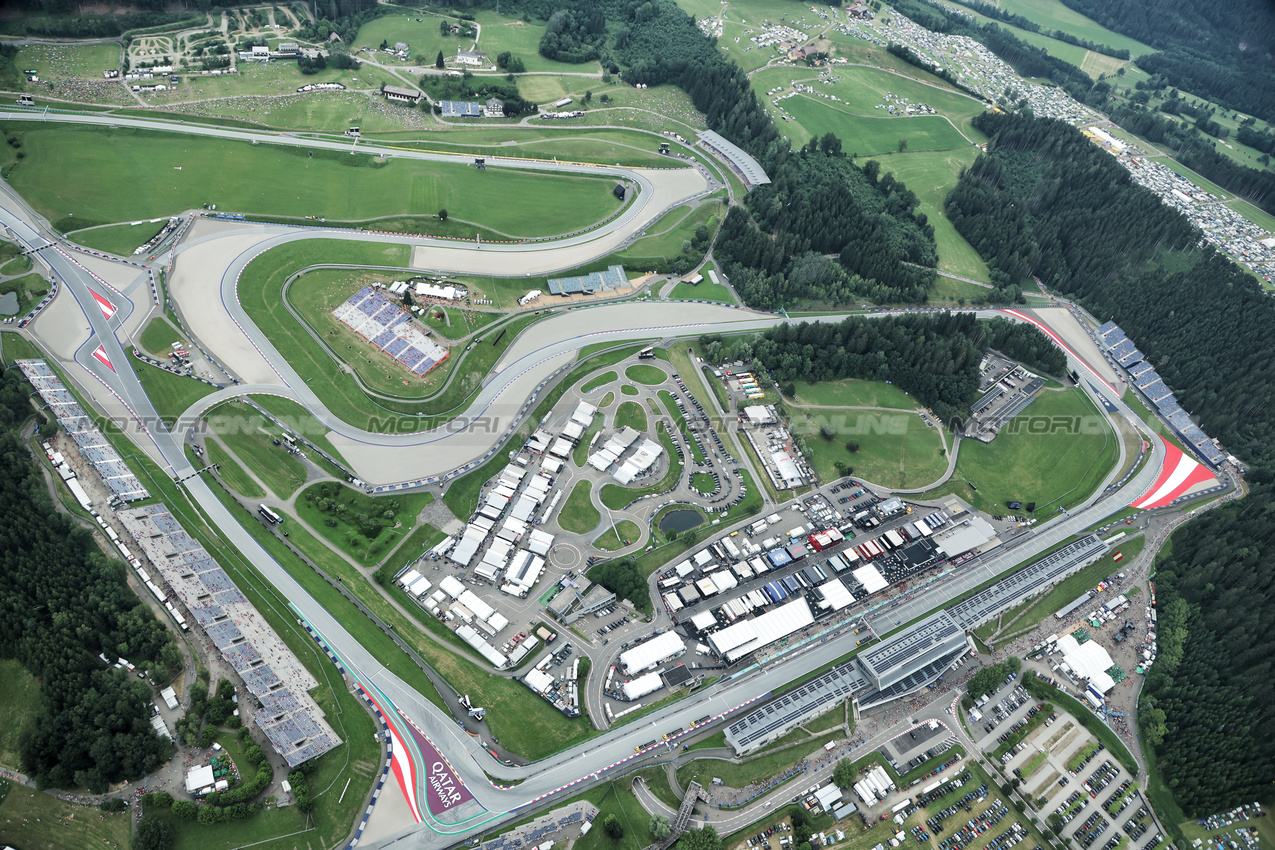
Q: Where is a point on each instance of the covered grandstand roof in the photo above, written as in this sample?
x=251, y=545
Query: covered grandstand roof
x=749, y=169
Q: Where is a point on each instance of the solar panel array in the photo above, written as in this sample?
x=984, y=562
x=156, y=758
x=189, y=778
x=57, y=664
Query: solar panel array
x=289, y=716
x=895, y=657
x=589, y=283
x=778, y=716
x=460, y=109
x=384, y=323
x=1008, y=591
x=1145, y=378
x=94, y=447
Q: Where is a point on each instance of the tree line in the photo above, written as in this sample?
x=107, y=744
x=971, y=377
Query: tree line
x=61, y=603
x=933, y=357
x=1044, y=200
x=989, y=10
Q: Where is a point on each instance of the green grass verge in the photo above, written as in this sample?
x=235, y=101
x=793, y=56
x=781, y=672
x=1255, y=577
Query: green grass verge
x=340, y=526
x=158, y=336
x=230, y=472
x=593, y=383
x=119, y=239
x=171, y=394
x=250, y=437
x=758, y=769
x=608, y=541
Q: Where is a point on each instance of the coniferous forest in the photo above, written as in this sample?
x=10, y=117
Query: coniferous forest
x=1045, y=201
x=61, y=603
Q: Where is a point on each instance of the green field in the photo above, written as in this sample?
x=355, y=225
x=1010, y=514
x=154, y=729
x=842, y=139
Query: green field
x=245, y=178
x=606, y=400
x=158, y=336
x=872, y=136
x=171, y=394
x=703, y=482
x=16, y=266
x=895, y=449
x=703, y=291
x=339, y=528
x=630, y=414
x=1053, y=14
x=852, y=392
x=29, y=289
x=21, y=702
x=578, y=513
x=118, y=239
x=641, y=373
x=422, y=36
x=231, y=473
x=947, y=289
x=609, y=542
x=1051, y=469
x=250, y=437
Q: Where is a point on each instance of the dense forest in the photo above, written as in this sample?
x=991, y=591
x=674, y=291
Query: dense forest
x=934, y=357
x=1218, y=50
x=822, y=203
x=61, y=603
x=1046, y=201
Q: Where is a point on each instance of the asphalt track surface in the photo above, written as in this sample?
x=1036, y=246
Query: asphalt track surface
x=554, y=342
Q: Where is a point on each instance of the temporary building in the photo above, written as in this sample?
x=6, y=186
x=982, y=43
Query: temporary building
x=641, y=686
x=738, y=639
x=871, y=579
x=646, y=655
x=1087, y=660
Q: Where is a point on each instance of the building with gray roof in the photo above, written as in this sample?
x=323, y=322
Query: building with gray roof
x=745, y=167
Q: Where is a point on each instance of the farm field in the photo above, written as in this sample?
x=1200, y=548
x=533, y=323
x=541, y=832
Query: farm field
x=244, y=178
x=1056, y=469
x=1054, y=14
x=522, y=39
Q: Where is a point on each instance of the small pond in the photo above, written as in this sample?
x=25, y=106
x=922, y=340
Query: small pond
x=680, y=520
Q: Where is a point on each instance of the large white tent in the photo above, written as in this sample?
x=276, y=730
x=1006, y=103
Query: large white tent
x=1087, y=660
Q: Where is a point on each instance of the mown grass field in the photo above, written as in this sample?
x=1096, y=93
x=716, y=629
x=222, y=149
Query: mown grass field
x=1053, y=469
x=182, y=171
x=36, y=821
x=521, y=38
x=630, y=414
x=1053, y=14
x=171, y=394
x=675, y=227
x=67, y=60
x=158, y=336
x=419, y=31
x=643, y=374
x=895, y=449
x=932, y=175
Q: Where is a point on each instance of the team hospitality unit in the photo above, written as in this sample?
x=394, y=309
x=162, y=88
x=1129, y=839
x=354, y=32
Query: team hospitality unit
x=288, y=716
